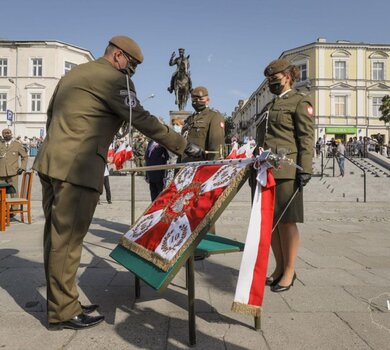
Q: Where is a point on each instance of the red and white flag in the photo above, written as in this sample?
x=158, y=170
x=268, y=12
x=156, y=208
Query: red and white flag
x=110, y=154
x=249, y=294
x=120, y=156
x=129, y=152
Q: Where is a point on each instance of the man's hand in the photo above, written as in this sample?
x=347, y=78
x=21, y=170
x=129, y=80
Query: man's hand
x=303, y=179
x=173, y=54
x=193, y=151
x=20, y=171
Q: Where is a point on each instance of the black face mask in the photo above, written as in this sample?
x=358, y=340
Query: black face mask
x=198, y=106
x=128, y=70
x=275, y=87
x=130, y=67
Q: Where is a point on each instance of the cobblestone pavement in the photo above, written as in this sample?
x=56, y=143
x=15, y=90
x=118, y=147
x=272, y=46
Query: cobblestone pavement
x=340, y=300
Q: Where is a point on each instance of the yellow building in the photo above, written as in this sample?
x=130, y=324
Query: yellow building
x=347, y=80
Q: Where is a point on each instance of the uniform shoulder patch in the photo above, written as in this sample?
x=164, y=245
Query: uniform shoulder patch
x=128, y=96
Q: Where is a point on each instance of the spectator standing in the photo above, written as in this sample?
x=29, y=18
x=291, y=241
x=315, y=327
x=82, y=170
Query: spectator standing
x=155, y=155
x=340, y=156
x=13, y=160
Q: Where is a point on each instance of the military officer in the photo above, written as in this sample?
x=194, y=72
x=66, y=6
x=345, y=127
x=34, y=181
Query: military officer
x=287, y=128
x=88, y=107
x=205, y=127
x=10, y=153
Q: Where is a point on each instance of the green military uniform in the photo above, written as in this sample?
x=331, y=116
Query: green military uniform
x=87, y=109
x=207, y=130
x=10, y=152
x=289, y=129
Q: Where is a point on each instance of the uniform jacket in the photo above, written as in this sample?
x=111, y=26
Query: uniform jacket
x=290, y=130
x=9, y=158
x=87, y=109
x=207, y=130
x=155, y=155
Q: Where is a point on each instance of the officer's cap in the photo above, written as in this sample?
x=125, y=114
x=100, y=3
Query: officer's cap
x=199, y=91
x=129, y=46
x=276, y=66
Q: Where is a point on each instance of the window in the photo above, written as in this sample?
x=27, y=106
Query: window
x=3, y=102
x=3, y=67
x=340, y=70
x=69, y=66
x=376, y=103
x=378, y=71
x=340, y=106
x=302, y=72
x=36, y=67
x=36, y=102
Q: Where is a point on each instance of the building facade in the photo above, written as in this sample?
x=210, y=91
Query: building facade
x=29, y=73
x=347, y=81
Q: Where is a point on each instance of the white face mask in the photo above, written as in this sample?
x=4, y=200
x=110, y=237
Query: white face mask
x=177, y=128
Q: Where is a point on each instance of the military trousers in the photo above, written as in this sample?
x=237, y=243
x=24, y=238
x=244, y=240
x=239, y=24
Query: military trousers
x=68, y=211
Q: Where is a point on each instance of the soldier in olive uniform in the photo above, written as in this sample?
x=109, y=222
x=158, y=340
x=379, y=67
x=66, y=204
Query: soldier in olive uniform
x=10, y=152
x=205, y=127
x=287, y=128
x=88, y=107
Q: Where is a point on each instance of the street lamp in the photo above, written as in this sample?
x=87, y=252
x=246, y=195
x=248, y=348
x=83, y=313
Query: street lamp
x=17, y=101
x=149, y=97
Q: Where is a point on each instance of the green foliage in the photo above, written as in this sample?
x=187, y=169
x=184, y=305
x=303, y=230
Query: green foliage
x=385, y=109
x=229, y=127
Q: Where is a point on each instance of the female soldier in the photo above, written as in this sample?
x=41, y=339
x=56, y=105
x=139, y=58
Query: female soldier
x=287, y=130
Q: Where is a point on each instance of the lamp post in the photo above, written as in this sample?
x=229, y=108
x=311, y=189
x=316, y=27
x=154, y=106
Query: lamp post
x=17, y=101
x=149, y=97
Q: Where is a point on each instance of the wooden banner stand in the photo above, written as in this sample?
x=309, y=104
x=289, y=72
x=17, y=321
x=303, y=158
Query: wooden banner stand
x=206, y=244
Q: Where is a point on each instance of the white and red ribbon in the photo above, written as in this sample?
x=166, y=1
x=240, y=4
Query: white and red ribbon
x=249, y=294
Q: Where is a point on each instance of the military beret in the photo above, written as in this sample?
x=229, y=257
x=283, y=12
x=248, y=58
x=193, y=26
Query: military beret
x=276, y=66
x=199, y=91
x=129, y=46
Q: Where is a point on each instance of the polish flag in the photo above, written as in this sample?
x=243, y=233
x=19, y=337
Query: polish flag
x=120, y=156
x=233, y=153
x=110, y=154
x=129, y=152
x=249, y=294
x=245, y=151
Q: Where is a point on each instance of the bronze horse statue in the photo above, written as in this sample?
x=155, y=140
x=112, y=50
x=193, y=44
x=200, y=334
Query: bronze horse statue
x=182, y=86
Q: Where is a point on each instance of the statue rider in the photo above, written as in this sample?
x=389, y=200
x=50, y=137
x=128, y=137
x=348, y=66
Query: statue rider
x=182, y=65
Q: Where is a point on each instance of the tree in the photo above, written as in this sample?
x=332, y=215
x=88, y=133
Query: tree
x=229, y=127
x=385, y=109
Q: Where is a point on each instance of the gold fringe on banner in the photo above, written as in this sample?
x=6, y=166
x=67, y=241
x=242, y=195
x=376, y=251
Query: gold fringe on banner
x=246, y=309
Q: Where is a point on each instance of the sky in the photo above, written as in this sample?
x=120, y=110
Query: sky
x=230, y=42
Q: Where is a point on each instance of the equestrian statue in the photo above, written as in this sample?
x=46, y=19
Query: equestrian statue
x=181, y=79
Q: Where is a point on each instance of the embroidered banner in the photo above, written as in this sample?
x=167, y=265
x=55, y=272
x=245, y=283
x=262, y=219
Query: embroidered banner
x=189, y=204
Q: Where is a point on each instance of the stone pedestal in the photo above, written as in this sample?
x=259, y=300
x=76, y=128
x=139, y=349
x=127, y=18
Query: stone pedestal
x=178, y=114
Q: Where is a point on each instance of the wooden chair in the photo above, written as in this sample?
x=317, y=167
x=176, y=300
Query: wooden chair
x=23, y=203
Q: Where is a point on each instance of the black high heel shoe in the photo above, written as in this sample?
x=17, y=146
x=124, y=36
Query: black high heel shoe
x=270, y=281
x=277, y=288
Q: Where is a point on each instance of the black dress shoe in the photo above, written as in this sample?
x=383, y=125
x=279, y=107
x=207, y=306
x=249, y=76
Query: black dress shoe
x=88, y=309
x=269, y=281
x=277, y=288
x=81, y=321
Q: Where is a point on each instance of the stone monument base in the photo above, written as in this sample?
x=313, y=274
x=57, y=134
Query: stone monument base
x=178, y=115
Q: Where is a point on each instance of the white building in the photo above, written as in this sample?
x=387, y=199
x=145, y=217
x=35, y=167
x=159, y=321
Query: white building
x=29, y=73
